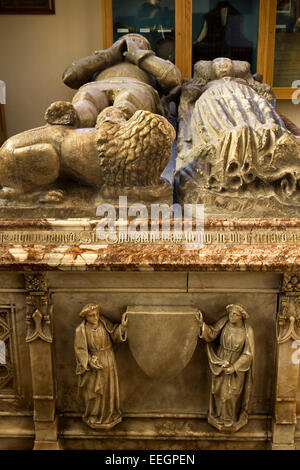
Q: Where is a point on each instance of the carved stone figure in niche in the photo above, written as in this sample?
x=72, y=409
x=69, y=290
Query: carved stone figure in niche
x=96, y=366
x=232, y=143
x=114, y=132
x=230, y=350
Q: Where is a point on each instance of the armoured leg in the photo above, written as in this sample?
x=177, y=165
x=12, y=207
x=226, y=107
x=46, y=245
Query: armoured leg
x=129, y=101
x=88, y=102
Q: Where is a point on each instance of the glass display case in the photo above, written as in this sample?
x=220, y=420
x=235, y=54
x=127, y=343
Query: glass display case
x=264, y=32
x=287, y=43
x=225, y=29
x=154, y=19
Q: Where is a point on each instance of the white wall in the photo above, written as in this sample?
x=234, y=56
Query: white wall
x=34, y=52
x=290, y=110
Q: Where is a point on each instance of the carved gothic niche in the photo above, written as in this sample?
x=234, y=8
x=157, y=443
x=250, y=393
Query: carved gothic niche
x=39, y=308
x=287, y=377
x=8, y=354
x=288, y=325
x=38, y=319
x=39, y=313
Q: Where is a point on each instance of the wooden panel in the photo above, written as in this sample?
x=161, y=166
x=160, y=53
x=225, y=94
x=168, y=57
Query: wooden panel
x=261, y=36
x=183, y=36
x=266, y=46
x=270, y=46
x=107, y=23
x=284, y=93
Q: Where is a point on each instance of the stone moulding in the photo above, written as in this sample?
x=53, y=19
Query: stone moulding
x=246, y=244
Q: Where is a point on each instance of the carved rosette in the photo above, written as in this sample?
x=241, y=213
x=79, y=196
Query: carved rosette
x=291, y=282
x=39, y=308
x=36, y=283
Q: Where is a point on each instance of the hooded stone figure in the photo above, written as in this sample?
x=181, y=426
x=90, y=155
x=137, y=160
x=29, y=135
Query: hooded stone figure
x=230, y=351
x=97, y=368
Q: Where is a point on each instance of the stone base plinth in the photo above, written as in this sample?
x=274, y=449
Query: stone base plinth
x=51, y=268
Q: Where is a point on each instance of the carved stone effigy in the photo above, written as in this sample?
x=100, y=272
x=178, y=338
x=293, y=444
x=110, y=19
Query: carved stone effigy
x=157, y=376
x=113, y=137
x=234, y=153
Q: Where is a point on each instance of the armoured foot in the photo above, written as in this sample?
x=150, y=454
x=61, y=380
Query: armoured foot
x=9, y=193
x=62, y=113
x=54, y=195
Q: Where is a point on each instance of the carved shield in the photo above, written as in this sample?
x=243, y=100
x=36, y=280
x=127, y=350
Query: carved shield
x=162, y=339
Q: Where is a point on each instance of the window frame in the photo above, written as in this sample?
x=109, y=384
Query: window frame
x=266, y=40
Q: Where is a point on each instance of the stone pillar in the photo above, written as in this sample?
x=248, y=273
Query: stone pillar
x=39, y=337
x=287, y=373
